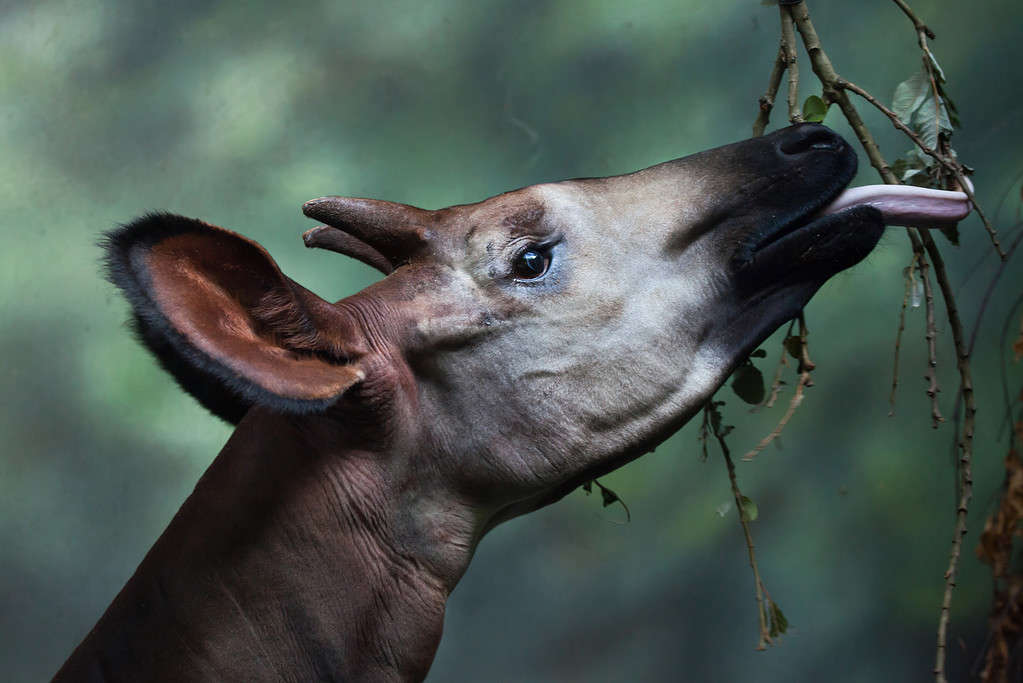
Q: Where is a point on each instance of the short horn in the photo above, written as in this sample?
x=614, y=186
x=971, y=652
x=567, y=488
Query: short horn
x=370, y=230
x=333, y=239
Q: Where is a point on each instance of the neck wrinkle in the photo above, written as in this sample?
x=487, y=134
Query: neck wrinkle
x=297, y=552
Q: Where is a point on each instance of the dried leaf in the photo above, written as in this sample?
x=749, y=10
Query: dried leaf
x=794, y=345
x=748, y=384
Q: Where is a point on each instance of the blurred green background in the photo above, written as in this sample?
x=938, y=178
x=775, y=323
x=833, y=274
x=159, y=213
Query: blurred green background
x=239, y=112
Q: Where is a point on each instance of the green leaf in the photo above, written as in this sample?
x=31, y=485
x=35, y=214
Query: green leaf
x=909, y=95
x=748, y=384
x=938, y=71
x=750, y=511
x=778, y=623
x=814, y=109
x=921, y=109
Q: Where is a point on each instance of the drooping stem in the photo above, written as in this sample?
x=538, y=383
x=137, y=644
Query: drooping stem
x=932, y=343
x=965, y=455
x=910, y=283
x=765, y=632
x=806, y=366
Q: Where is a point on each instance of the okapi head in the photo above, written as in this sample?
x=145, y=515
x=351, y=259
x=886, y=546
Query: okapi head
x=516, y=348
x=525, y=344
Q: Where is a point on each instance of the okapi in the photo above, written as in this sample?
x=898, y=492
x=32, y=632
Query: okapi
x=516, y=349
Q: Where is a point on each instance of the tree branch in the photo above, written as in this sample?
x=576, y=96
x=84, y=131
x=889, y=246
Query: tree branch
x=788, y=46
x=767, y=99
x=830, y=79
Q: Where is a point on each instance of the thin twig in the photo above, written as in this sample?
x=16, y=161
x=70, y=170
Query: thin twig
x=965, y=454
x=920, y=26
x=782, y=364
x=767, y=99
x=765, y=633
x=806, y=366
x=932, y=344
x=910, y=282
x=788, y=46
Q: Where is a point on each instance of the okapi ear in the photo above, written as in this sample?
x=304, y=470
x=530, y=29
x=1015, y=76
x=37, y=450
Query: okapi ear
x=221, y=317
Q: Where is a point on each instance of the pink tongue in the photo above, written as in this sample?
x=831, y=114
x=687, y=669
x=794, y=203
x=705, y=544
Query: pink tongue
x=906, y=205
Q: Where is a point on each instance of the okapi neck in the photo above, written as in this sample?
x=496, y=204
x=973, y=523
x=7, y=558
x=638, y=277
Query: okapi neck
x=286, y=562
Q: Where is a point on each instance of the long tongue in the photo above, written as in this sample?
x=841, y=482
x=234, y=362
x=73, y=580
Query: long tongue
x=906, y=205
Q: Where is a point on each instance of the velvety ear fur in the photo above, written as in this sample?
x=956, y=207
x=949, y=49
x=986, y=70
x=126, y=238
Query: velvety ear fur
x=223, y=320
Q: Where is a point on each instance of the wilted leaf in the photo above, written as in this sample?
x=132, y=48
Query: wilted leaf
x=794, y=346
x=610, y=497
x=921, y=109
x=951, y=232
x=814, y=109
x=909, y=95
x=750, y=511
x=748, y=384
x=937, y=67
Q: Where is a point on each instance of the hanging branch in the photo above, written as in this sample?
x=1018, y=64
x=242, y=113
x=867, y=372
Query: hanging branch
x=835, y=91
x=806, y=366
x=772, y=622
x=910, y=283
x=932, y=344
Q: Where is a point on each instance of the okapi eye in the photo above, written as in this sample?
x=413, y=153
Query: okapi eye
x=531, y=263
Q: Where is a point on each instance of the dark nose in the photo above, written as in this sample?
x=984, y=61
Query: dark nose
x=806, y=138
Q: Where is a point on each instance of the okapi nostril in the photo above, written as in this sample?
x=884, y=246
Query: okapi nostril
x=807, y=138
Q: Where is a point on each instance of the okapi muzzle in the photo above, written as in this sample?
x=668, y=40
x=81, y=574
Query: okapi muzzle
x=515, y=348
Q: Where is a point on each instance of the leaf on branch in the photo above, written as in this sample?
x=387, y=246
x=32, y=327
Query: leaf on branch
x=814, y=109
x=778, y=623
x=794, y=345
x=748, y=384
x=921, y=109
x=610, y=497
x=749, y=511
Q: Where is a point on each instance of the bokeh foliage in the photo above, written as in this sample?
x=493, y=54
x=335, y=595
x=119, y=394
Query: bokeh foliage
x=238, y=112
